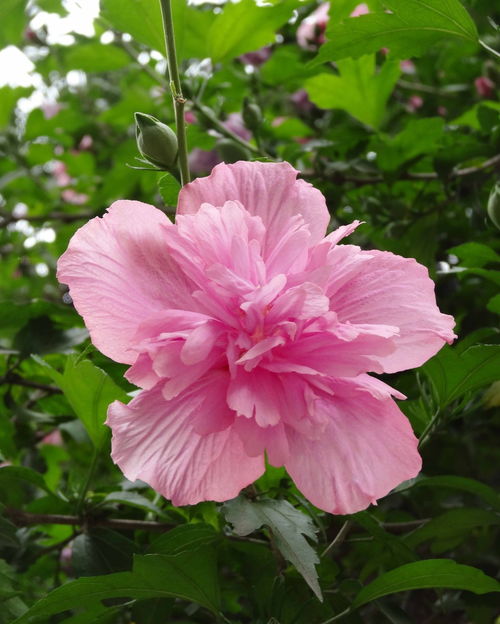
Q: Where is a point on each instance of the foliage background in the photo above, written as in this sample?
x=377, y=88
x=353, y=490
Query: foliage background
x=411, y=149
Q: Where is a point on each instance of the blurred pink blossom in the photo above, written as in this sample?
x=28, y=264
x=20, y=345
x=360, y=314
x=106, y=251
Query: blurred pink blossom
x=50, y=109
x=361, y=9
x=256, y=58
x=252, y=333
x=485, y=87
x=202, y=161
x=86, y=142
x=414, y=103
x=408, y=67
x=63, y=178
x=54, y=438
x=311, y=31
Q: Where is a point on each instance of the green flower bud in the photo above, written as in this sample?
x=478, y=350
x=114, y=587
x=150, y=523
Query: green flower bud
x=232, y=152
x=252, y=116
x=494, y=205
x=156, y=142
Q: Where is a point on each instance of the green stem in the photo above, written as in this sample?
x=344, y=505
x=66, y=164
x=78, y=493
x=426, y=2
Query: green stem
x=176, y=89
x=339, y=616
x=490, y=50
x=428, y=429
x=86, y=483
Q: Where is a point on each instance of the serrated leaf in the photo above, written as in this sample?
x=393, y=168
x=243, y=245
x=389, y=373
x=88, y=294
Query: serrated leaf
x=408, y=29
x=360, y=89
x=419, y=137
x=288, y=526
x=452, y=373
x=89, y=391
x=431, y=573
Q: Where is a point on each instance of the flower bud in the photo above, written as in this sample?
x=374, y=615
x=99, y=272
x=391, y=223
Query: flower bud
x=156, y=142
x=494, y=205
x=252, y=115
x=231, y=152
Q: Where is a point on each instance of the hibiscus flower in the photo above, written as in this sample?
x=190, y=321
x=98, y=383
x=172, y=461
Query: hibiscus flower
x=252, y=335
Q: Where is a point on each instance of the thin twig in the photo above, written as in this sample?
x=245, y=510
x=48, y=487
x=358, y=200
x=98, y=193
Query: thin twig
x=339, y=538
x=402, y=527
x=425, y=175
x=15, y=380
x=24, y=518
x=6, y=219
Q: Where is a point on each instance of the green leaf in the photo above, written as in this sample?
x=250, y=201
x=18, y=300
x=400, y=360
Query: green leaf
x=188, y=576
x=360, y=89
x=452, y=374
x=419, y=137
x=487, y=493
x=493, y=304
x=101, y=551
x=474, y=254
x=410, y=28
x=169, y=189
x=431, y=573
x=41, y=335
x=13, y=20
x=132, y=499
x=96, y=57
x=142, y=19
x=452, y=523
x=89, y=391
x=288, y=526
x=8, y=101
x=245, y=26
x=184, y=538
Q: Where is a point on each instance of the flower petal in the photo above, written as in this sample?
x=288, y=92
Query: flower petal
x=156, y=441
x=120, y=274
x=391, y=290
x=367, y=450
x=269, y=190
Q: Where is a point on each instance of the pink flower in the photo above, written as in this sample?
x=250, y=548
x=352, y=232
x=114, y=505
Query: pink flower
x=311, y=31
x=414, y=103
x=360, y=9
x=485, y=87
x=250, y=332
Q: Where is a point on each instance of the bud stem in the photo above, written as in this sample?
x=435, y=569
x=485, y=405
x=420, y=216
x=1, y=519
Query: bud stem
x=175, y=87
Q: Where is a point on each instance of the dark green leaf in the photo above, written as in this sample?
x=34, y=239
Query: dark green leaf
x=189, y=576
x=453, y=374
x=431, y=573
x=454, y=522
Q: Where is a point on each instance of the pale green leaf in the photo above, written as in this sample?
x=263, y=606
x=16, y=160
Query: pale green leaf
x=360, y=89
x=408, y=29
x=288, y=526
